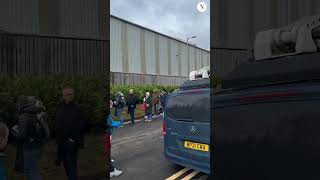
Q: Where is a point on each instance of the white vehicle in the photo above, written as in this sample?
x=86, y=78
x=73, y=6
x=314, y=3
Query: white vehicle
x=300, y=37
x=203, y=73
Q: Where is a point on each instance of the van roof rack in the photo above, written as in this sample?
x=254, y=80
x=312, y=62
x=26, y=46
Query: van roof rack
x=303, y=36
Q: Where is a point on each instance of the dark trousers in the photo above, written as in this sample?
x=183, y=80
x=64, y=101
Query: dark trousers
x=19, y=158
x=70, y=159
x=155, y=109
x=31, y=159
x=131, y=112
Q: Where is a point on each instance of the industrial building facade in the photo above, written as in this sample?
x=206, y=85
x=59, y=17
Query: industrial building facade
x=72, y=37
x=138, y=50
x=54, y=37
x=236, y=22
x=71, y=18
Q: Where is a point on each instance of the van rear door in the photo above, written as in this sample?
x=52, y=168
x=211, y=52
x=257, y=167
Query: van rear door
x=187, y=118
x=268, y=132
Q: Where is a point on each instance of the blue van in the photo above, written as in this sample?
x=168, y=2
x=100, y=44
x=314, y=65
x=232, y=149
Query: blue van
x=186, y=126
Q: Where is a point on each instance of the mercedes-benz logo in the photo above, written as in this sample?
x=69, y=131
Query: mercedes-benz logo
x=193, y=129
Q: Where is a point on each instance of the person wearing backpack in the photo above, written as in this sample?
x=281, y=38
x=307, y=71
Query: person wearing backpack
x=120, y=103
x=33, y=131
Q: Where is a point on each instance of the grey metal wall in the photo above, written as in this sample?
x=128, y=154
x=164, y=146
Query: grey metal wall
x=34, y=54
x=142, y=79
x=225, y=60
x=235, y=22
x=70, y=18
x=138, y=50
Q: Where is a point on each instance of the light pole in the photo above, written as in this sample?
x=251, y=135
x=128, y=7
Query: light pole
x=190, y=38
x=188, y=51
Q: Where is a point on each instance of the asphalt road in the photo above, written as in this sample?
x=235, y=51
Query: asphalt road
x=138, y=152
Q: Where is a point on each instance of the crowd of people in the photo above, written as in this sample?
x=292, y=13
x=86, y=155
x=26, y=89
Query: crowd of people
x=32, y=132
x=153, y=105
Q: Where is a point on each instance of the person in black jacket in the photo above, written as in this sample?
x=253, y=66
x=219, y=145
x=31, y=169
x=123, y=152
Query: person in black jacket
x=163, y=97
x=132, y=102
x=70, y=123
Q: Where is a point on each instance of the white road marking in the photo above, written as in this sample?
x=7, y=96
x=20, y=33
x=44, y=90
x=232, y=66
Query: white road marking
x=178, y=174
x=203, y=177
x=190, y=176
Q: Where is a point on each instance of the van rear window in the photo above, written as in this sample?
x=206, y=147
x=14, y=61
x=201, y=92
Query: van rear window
x=190, y=107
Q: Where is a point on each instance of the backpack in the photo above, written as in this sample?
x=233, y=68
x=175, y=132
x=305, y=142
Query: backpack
x=122, y=102
x=40, y=129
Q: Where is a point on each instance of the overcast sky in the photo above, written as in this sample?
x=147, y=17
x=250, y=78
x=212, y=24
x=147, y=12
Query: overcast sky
x=176, y=18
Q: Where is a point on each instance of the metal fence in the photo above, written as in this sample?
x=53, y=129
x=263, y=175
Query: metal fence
x=34, y=54
x=224, y=60
x=141, y=79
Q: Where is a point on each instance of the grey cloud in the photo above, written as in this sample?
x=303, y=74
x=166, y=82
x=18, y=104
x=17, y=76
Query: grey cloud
x=179, y=18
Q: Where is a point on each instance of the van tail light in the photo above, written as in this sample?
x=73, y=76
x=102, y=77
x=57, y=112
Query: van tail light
x=164, y=128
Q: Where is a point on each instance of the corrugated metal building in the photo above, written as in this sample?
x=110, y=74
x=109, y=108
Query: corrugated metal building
x=136, y=49
x=68, y=18
x=54, y=36
x=236, y=22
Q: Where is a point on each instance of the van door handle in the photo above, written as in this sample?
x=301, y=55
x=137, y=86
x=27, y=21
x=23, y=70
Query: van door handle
x=172, y=133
